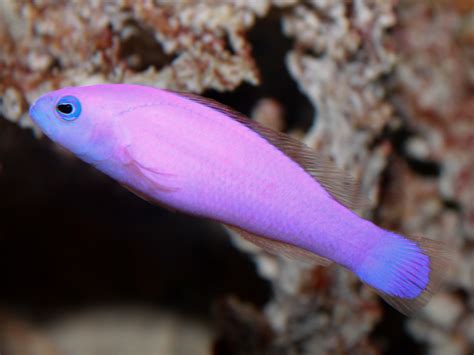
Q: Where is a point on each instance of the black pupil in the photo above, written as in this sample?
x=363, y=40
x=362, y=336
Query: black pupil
x=65, y=108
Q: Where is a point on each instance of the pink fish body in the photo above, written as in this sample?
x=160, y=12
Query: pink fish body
x=196, y=156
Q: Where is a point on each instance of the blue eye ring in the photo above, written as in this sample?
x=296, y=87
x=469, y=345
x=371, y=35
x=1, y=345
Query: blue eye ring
x=68, y=108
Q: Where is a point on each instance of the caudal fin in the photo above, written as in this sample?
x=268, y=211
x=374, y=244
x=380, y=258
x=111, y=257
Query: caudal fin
x=405, y=271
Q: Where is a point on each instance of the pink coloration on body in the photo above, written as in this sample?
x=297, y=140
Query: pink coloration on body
x=196, y=156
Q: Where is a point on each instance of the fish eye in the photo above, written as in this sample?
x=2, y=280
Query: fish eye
x=68, y=108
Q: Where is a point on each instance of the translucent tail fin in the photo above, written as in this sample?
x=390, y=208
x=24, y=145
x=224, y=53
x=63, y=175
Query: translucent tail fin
x=406, y=271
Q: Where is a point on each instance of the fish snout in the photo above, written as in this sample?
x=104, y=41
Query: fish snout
x=33, y=111
x=40, y=114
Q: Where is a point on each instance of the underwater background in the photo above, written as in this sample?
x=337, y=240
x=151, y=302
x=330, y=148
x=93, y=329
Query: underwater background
x=386, y=88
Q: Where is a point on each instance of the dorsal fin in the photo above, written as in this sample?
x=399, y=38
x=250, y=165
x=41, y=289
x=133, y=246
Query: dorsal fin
x=280, y=248
x=341, y=186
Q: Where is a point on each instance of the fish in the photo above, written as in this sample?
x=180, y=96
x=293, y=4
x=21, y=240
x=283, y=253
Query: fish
x=194, y=155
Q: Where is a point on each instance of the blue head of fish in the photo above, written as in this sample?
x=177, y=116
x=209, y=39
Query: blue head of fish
x=80, y=119
x=61, y=116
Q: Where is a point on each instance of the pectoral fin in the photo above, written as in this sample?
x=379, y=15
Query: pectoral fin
x=149, y=178
x=157, y=179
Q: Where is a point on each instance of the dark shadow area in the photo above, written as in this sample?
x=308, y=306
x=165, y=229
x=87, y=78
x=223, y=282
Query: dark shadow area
x=399, y=138
x=141, y=49
x=426, y=168
x=71, y=237
x=391, y=335
x=269, y=48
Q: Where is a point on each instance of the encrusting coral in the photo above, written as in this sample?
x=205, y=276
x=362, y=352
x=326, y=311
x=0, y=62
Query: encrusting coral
x=434, y=93
x=178, y=45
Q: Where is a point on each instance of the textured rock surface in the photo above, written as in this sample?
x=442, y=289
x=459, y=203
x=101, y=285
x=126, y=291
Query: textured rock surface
x=180, y=45
x=392, y=86
x=434, y=94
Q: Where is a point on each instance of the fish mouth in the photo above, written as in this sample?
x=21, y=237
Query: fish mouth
x=41, y=118
x=40, y=102
x=36, y=115
x=33, y=112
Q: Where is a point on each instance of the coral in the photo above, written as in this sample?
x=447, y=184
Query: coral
x=189, y=46
x=339, y=61
x=434, y=93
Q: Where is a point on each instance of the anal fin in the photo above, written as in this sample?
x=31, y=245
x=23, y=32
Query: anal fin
x=281, y=248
